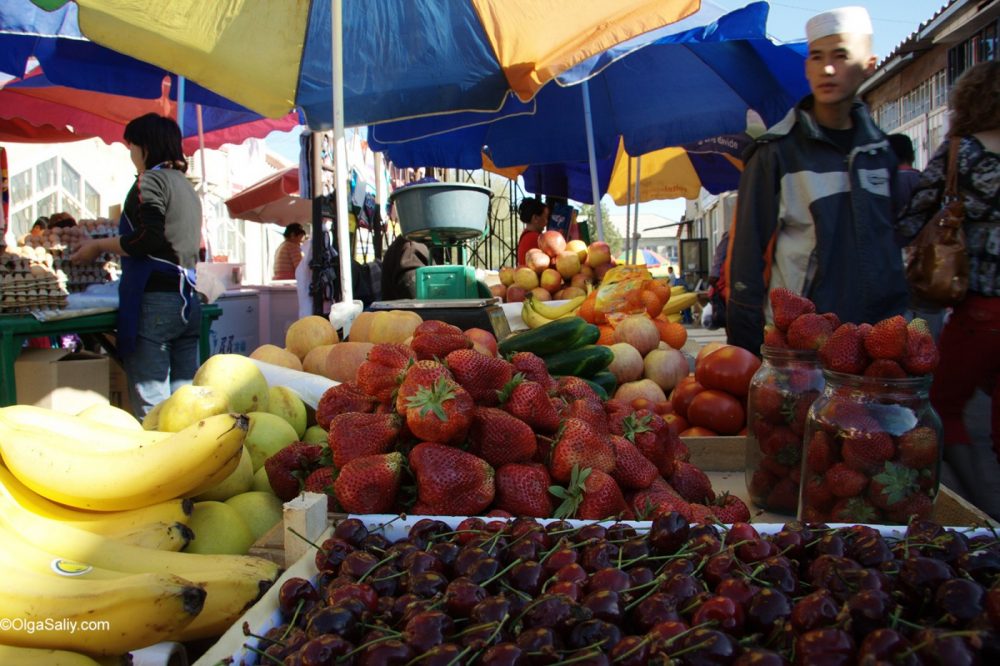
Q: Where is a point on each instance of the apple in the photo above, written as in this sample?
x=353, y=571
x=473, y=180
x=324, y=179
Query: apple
x=580, y=281
x=541, y=294
x=579, y=247
x=218, y=530
x=260, y=481
x=537, y=260
x=572, y=292
x=315, y=435
x=259, y=510
x=506, y=275
x=525, y=277
x=551, y=280
x=601, y=271
x=515, y=294
x=267, y=435
x=484, y=338
x=552, y=243
x=598, y=254
x=499, y=290
x=568, y=264
x=236, y=376
x=587, y=272
x=286, y=403
x=240, y=481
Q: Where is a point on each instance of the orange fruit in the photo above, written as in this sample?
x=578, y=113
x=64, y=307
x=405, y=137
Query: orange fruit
x=674, y=334
x=651, y=302
x=586, y=311
x=660, y=288
x=607, y=334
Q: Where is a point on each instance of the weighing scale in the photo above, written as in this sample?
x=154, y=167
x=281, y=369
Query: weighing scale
x=465, y=313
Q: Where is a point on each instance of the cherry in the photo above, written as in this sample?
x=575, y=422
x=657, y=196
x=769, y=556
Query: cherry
x=333, y=620
x=558, y=529
x=524, y=550
x=779, y=577
x=526, y=577
x=331, y=553
x=668, y=533
x=571, y=573
x=427, y=629
x=292, y=592
x=885, y=644
x=503, y=654
x=490, y=609
x=703, y=546
x=739, y=590
x=286, y=642
x=827, y=571
x=361, y=591
x=400, y=550
x=814, y=611
x=351, y=530
x=462, y=594
x=666, y=632
x=682, y=566
x=869, y=610
x=599, y=555
x=541, y=641
x=992, y=605
x=982, y=565
x=469, y=529
x=621, y=532
x=790, y=543
x=358, y=563
x=922, y=575
x=466, y=558
x=870, y=550
x=683, y=587
x=594, y=633
x=961, y=599
x=936, y=647
x=718, y=567
x=588, y=657
x=445, y=654
x=609, y=578
x=923, y=531
x=419, y=561
x=653, y=610
x=768, y=610
x=385, y=581
x=722, y=610
x=590, y=533
x=757, y=656
x=483, y=570
x=375, y=543
x=831, y=544
x=741, y=531
x=560, y=558
x=572, y=590
x=604, y=604
x=426, y=584
x=638, y=576
x=553, y=611
x=424, y=531
x=824, y=646
x=635, y=549
x=709, y=646
x=631, y=651
x=323, y=650
x=387, y=653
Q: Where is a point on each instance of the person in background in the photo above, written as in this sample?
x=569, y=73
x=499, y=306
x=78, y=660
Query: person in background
x=535, y=215
x=815, y=210
x=62, y=221
x=970, y=341
x=289, y=253
x=159, y=313
x=399, y=268
x=39, y=227
x=717, y=283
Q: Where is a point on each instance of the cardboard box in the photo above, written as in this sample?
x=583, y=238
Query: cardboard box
x=61, y=380
x=118, y=386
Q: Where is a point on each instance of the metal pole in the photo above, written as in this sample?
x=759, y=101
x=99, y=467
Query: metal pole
x=638, y=178
x=203, y=186
x=628, y=201
x=592, y=158
x=339, y=151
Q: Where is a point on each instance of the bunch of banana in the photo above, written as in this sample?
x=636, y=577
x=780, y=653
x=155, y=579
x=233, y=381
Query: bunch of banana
x=11, y=655
x=679, y=300
x=90, y=465
x=537, y=313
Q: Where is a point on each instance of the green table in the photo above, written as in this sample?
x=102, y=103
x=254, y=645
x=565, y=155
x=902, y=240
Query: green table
x=15, y=330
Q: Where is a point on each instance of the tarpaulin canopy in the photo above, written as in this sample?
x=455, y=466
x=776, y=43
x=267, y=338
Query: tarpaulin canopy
x=273, y=200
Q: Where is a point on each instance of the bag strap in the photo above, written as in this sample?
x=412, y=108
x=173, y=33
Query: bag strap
x=951, y=182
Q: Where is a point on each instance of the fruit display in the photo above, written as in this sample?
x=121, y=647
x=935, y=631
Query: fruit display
x=96, y=516
x=713, y=399
x=53, y=247
x=555, y=270
x=524, y=591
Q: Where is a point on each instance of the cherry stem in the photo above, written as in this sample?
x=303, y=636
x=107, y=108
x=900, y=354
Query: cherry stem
x=365, y=646
x=501, y=572
x=493, y=637
x=652, y=585
x=303, y=537
x=645, y=641
x=947, y=634
x=264, y=654
x=523, y=595
x=589, y=654
x=295, y=616
x=390, y=557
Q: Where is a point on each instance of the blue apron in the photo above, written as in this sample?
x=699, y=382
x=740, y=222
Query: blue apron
x=132, y=285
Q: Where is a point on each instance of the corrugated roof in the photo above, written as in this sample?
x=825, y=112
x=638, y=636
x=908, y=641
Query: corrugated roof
x=911, y=43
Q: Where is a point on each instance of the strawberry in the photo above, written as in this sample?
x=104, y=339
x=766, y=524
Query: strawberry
x=436, y=339
x=775, y=467
x=883, y=367
x=892, y=485
x=773, y=337
x=783, y=497
x=761, y=483
x=843, y=414
x=482, y=376
x=632, y=469
x=533, y=368
x=842, y=481
x=529, y=401
x=787, y=305
x=887, y=339
x=379, y=375
x=779, y=439
x=808, y=331
x=591, y=495
x=921, y=356
x=816, y=494
x=450, y=480
x=589, y=411
x=356, y=434
x=523, y=490
x=342, y=398
x=918, y=448
x=499, y=438
x=730, y=509
x=321, y=481
x=648, y=505
x=833, y=319
x=768, y=400
x=692, y=483
x=844, y=350
x=418, y=374
x=854, y=510
x=700, y=514
x=369, y=484
x=796, y=416
x=573, y=388
x=867, y=451
x=578, y=445
x=287, y=468
x=650, y=434
x=440, y=413
x=917, y=505
x=821, y=453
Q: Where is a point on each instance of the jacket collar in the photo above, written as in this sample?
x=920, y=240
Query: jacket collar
x=867, y=131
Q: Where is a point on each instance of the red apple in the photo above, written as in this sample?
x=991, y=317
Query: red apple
x=552, y=243
x=598, y=254
x=499, y=290
x=483, y=337
x=536, y=260
x=515, y=294
x=550, y=280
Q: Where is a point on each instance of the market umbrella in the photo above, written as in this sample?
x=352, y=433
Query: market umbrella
x=273, y=200
x=655, y=262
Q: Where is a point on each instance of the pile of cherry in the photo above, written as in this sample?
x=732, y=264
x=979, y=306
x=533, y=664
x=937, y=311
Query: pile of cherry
x=526, y=593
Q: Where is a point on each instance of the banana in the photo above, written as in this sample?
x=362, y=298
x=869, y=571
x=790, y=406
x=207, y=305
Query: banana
x=680, y=302
x=21, y=656
x=110, y=415
x=108, y=617
x=161, y=536
x=90, y=434
x=65, y=471
x=677, y=289
x=556, y=311
x=109, y=523
x=531, y=317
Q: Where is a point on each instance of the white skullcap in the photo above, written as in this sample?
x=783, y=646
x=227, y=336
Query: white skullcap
x=844, y=20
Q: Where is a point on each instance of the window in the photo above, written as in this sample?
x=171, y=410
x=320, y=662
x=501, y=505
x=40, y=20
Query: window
x=940, y=89
x=21, y=221
x=20, y=187
x=92, y=200
x=46, y=174
x=47, y=206
x=73, y=208
x=71, y=180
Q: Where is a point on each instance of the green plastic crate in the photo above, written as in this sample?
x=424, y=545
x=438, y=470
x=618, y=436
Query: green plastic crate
x=446, y=282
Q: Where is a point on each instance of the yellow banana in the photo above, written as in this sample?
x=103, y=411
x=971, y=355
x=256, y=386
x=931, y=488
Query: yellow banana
x=680, y=302
x=152, y=419
x=550, y=311
x=109, y=523
x=66, y=472
x=90, y=434
x=161, y=536
x=11, y=655
x=675, y=317
x=110, y=415
x=677, y=289
x=530, y=316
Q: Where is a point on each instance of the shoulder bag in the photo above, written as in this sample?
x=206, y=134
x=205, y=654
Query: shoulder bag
x=937, y=264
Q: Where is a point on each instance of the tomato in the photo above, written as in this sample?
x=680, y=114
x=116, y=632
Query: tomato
x=663, y=407
x=676, y=423
x=698, y=431
x=680, y=397
x=718, y=411
x=729, y=369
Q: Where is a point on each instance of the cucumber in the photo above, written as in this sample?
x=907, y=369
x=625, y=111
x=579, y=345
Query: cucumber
x=606, y=380
x=590, y=335
x=548, y=339
x=598, y=389
x=581, y=362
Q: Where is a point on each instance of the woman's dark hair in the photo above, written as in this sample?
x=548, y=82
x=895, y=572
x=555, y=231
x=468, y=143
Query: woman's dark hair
x=42, y=222
x=160, y=137
x=975, y=100
x=530, y=207
x=294, y=229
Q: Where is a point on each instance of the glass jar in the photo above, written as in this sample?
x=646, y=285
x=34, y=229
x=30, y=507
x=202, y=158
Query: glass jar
x=781, y=392
x=872, y=453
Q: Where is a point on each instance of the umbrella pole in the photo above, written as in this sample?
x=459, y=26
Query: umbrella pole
x=588, y=120
x=339, y=156
x=628, y=205
x=180, y=102
x=635, y=229
x=203, y=186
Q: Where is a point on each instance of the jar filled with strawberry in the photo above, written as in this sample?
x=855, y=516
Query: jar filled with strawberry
x=781, y=392
x=872, y=451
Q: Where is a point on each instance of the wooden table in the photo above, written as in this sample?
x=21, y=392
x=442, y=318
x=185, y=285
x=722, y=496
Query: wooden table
x=14, y=330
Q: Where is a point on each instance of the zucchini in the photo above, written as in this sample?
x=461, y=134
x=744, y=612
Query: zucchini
x=547, y=339
x=598, y=389
x=589, y=336
x=606, y=379
x=580, y=362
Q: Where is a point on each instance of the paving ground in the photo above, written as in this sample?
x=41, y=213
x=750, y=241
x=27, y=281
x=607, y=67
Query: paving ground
x=983, y=490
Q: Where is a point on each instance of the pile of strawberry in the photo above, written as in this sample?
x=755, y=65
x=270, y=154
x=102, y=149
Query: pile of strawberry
x=438, y=428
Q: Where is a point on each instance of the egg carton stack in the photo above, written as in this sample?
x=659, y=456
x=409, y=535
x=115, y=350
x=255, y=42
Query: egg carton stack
x=29, y=281
x=60, y=243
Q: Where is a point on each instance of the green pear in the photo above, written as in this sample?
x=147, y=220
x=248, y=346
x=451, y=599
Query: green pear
x=267, y=435
x=240, y=481
x=260, y=481
x=218, y=529
x=190, y=404
x=315, y=435
x=286, y=403
x=239, y=378
x=260, y=511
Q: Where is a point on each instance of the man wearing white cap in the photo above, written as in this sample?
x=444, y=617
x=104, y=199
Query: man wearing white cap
x=815, y=212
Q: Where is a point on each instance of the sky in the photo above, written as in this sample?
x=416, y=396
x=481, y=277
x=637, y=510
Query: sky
x=892, y=20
